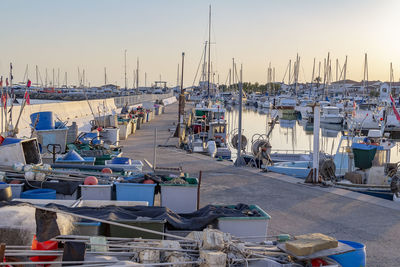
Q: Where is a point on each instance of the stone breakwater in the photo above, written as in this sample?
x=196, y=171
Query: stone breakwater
x=81, y=111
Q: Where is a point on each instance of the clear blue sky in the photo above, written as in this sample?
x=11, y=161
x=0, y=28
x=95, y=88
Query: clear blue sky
x=93, y=34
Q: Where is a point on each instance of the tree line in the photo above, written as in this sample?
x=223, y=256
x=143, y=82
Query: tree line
x=248, y=87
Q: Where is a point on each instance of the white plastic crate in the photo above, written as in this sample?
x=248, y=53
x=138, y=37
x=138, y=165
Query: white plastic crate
x=252, y=229
x=179, y=198
x=96, y=192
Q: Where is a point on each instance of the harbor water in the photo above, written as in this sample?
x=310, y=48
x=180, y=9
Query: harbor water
x=292, y=135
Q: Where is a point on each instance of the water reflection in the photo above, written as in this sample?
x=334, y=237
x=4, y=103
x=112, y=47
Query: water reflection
x=291, y=133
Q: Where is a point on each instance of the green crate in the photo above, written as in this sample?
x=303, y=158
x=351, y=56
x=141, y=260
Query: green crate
x=155, y=225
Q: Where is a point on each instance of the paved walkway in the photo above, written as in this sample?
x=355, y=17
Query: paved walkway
x=295, y=208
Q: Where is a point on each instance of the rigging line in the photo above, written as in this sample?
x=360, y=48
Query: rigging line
x=198, y=67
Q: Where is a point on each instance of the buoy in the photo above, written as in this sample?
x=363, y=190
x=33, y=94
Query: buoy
x=106, y=170
x=148, y=181
x=90, y=180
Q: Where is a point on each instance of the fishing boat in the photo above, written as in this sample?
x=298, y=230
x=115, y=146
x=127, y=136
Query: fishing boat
x=298, y=169
x=363, y=163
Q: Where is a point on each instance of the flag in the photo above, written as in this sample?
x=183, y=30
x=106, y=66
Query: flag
x=27, y=98
x=4, y=100
x=396, y=113
x=354, y=109
x=28, y=84
x=6, y=81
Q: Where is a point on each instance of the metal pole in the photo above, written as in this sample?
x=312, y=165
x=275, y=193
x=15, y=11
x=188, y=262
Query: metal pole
x=155, y=149
x=316, y=143
x=239, y=148
x=181, y=102
x=198, y=190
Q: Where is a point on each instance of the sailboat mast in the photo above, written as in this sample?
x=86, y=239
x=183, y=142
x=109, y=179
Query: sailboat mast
x=126, y=85
x=105, y=75
x=137, y=73
x=312, y=77
x=177, y=77
x=209, y=50
x=37, y=76
x=391, y=78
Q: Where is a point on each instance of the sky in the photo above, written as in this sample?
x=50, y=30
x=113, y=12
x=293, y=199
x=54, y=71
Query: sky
x=93, y=35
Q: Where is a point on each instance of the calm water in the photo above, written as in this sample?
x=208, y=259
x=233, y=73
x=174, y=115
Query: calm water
x=289, y=135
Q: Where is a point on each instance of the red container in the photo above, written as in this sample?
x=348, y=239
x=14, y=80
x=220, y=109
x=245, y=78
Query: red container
x=46, y=245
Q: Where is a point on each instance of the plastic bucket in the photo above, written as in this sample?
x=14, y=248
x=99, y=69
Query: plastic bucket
x=45, y=122
x=39, y=194
x=355, y=258
x=5, y=192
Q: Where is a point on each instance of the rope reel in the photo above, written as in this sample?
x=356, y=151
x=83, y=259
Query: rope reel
x=395, y=185
x=327, y=169
x=235, y=142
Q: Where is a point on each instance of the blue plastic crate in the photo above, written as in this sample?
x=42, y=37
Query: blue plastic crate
x=135, y=192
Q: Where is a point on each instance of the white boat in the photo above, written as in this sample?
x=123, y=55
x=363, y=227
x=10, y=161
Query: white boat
x=331, y=115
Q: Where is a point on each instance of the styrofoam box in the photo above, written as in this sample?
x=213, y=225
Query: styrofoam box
x=96, y=192
x=68, y=197
x=179, y=198
x=136, y=165
x=246, y=227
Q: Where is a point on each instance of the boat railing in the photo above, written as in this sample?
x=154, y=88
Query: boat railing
x=291, y=151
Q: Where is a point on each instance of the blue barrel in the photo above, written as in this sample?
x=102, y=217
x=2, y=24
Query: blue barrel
x=354, y=258
x=39, y=194
x=45, y=122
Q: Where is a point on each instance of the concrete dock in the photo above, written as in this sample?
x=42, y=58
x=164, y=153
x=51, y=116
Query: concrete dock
x=295, y=208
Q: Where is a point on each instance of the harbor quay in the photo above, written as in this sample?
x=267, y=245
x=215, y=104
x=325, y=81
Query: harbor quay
x=295, y=207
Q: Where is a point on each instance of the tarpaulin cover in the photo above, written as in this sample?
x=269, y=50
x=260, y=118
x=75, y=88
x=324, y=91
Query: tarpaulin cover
x=195, y=221
x=46, y=225
x=74, y=251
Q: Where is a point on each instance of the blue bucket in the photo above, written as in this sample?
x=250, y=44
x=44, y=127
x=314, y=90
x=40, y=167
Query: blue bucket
x=39, y=194
x=45, y=122
x=355, y=258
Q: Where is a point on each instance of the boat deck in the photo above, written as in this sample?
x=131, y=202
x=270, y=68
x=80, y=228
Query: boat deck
x=295, y=208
